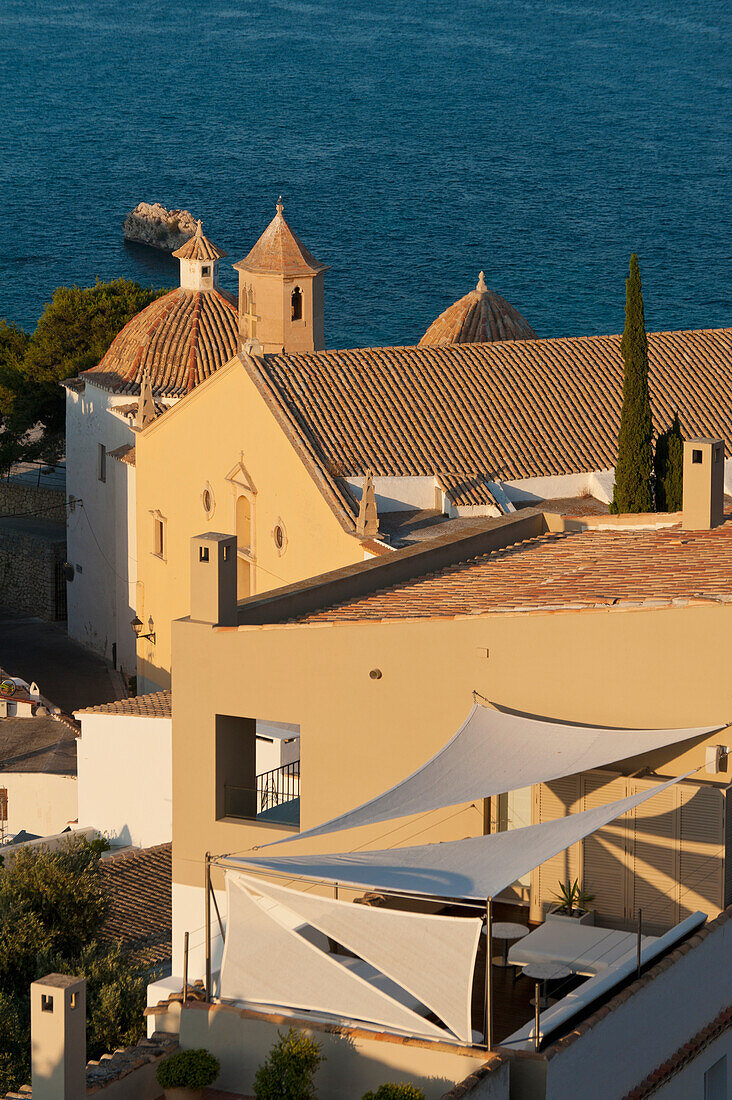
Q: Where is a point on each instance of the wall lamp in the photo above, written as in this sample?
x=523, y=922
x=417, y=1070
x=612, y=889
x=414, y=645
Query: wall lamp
x=138, y=627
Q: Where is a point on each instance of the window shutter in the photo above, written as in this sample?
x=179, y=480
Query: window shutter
x=727, y=793
x=552, y=801
x=604, y=853
x=654, y=858
x=702, y=851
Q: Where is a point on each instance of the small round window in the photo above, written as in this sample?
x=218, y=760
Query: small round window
x=207, y=500
x=279, y=536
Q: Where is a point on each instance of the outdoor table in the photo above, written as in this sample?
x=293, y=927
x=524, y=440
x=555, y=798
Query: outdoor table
x=542, y=972
x=506, y=930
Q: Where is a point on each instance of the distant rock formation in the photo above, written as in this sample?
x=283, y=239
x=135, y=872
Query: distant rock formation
x=160, y=228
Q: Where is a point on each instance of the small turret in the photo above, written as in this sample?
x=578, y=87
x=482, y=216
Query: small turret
x=199, y=262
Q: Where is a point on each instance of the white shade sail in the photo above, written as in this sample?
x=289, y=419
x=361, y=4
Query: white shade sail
x=432, y=957
x=476, y=868
x=266, y=961
x=494, y=752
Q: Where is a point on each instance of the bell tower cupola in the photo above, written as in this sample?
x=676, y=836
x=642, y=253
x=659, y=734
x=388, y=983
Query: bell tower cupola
x=281, y=293
x=199, y=262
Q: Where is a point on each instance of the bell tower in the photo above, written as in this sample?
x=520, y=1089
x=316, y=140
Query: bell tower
x=281, y=293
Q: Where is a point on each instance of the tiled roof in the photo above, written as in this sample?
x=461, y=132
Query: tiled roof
x=280, y=252
x=180, y=339
x=156, y=705
x=514, y=409
x=467, y=489
x=479, y=316
x=577, y=569
x=199, y=247
x=139, y=886
x=125, y=453
x=39, y=744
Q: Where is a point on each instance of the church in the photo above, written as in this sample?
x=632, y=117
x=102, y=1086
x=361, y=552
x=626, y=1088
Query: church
x=212, y=414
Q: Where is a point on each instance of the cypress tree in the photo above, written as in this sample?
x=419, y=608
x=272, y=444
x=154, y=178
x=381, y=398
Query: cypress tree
x=633, y=488
x=668, y=466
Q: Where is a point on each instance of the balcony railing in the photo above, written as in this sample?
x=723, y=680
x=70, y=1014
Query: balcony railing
x=273, y=799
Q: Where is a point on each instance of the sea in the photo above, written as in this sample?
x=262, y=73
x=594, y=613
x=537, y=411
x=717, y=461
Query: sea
x=414, y=144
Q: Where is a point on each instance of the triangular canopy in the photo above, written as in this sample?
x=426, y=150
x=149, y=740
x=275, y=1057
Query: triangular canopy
x=259, y=935
x=431, y=957
x=494, y=752
x=473, y=869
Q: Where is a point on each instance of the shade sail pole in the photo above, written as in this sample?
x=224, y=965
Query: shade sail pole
x=208, y=925
x=488, y=973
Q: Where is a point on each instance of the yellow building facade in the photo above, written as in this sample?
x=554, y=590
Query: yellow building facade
x=222, y=460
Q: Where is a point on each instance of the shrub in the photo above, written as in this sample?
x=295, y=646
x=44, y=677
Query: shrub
x=188, y=1069
x=392, y=1091
x=289, y=1069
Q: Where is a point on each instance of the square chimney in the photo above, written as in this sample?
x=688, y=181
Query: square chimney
x=58, y=1037
x=703, y=484
x=213, y=579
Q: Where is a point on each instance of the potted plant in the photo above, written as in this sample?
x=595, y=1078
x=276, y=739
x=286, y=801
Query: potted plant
x=289, y=1069
x=572, y=904
x=186, y=1074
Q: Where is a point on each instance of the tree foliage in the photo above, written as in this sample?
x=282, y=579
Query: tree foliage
x=287, y=1073
x=73, y=334
x=634, y=467
x=668, y=466
x=52, y=908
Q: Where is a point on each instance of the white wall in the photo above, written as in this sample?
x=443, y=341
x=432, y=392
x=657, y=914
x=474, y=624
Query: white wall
x=678, y=1002
x=100, y=537
x=39, y=803
x=398, y=494
x=596, y=483
x=125, y=777
x=188, y=916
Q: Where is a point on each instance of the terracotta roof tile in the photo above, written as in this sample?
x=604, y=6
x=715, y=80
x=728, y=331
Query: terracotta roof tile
x=512, y=409
x=279, y=251
x=180, y=339
x=139, y=885
x=482, y=315
x=199, y=247
x=587, y=568
x=156, y=705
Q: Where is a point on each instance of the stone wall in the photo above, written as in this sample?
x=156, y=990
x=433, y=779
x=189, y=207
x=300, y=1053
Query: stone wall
x=28, y=573
x=17, y=499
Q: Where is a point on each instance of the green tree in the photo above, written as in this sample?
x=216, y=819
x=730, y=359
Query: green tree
x=52, y=908
x=633, y=486
x=73, y=334
x=668, y=467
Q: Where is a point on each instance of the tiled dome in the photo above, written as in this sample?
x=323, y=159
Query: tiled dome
x=480, y=317
x=179, y=339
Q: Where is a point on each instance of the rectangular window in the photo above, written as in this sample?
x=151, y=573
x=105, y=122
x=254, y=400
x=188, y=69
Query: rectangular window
x=159, y=537
x=257, y=775
x=696, y=457
x=46, y=1002
x=203, y=553
x=3, y=803
x=102, y=471
x=206, y=272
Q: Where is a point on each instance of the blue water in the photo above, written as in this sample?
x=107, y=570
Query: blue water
x=414, y=143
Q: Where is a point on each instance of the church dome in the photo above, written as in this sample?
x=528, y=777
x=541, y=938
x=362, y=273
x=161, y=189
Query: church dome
x=180, y=339
x=481, y=316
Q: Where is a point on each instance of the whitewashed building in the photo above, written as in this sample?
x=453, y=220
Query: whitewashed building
x=160, y=356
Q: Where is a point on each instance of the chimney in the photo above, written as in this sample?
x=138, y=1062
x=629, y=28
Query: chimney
x=213, y=579
x=703, y=484
x=58, y=1037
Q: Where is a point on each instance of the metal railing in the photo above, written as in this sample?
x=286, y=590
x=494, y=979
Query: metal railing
x=279, y=787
